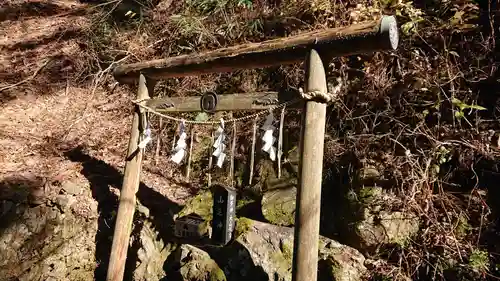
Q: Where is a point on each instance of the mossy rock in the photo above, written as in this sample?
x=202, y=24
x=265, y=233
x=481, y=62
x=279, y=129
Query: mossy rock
x=369, y=194
x=278, y=206
x=190, y=263
x=342, y=263
x=200, y=205
x=263, y=251
x=242, y=226
x=384, y=228
x=368, y=172
x=243, y=202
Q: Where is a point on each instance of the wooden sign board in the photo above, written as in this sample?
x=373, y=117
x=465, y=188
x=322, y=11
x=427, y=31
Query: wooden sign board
x=224, y=211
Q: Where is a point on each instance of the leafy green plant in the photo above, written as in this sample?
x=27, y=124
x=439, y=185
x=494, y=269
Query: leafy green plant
x=442, y=156
x=208, y=7
x=463, y=106
x=407, y=10
x=245, y=3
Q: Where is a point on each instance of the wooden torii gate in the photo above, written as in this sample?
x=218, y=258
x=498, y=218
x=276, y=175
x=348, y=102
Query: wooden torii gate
x=365, y=37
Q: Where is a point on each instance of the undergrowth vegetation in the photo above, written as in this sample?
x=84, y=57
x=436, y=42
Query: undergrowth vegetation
x=426, y=113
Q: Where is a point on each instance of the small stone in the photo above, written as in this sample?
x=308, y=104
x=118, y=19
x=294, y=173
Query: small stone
x=369, y=173
x=195, y=264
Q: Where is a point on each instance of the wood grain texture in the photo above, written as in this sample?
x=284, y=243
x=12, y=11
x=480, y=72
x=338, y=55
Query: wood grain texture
x=355, y=39
x=230, y=102
x=131, y=180
x=307, y=216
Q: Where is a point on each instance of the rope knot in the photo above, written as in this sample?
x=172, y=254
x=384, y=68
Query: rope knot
x=324, y=97
x=316, y=95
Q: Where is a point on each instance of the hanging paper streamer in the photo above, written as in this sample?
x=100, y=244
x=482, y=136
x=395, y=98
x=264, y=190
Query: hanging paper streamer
x=268, y=139
x=146, y=137
x=180, y=148
x=219, y=145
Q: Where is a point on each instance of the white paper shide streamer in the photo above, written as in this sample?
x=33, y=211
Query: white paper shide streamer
x=180, y=147
x=145, y=137
x=219, y=145
x=268, y=139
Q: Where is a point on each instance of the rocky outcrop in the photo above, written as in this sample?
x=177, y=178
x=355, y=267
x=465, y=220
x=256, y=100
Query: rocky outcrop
x=376, y=226
x=152, y=254
x=42, y=243
x=188, y=263
x=263, y=251
x=200, y=205
x=383, y=227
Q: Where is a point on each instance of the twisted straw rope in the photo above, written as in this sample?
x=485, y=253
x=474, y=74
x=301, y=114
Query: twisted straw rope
x=244, y=118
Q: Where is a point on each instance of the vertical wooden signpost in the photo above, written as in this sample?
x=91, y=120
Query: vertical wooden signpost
x=224, y=209
x=365, y=37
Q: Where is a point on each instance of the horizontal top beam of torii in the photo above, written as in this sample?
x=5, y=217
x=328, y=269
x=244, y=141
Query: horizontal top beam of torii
x=360, y=38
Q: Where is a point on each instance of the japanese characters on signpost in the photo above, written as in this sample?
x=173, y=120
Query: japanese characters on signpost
x=224, y=209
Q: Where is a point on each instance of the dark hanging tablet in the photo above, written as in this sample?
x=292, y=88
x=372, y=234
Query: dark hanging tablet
x=224, y=210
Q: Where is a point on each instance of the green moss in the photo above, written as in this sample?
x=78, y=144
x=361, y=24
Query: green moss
x=217, y=274
x=287, y=250
x=282, y=262
x=201, y=205
x=242, y=226
x=241, y=203
x=278, y=215
x=199, y=156
x=369, y=194
x=463, y=226
x=479, y=261
x=336, y=270
x=266, y=172
x=200, y=150
x=402, y=242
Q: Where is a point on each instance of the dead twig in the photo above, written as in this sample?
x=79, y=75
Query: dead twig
x=44, y=64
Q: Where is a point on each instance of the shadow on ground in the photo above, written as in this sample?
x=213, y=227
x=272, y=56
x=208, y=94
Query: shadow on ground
x=102, y=176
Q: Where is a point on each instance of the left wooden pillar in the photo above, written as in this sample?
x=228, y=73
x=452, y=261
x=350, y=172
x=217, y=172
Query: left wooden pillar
x=131, y=180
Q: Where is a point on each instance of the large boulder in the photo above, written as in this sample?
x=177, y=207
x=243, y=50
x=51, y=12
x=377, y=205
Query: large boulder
x=278, y=205
x=383, y=227
x=42, y=243
x=188, y=263
x=376, y=225
x=369, y=217
x=263, y=251
x=200, y=205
